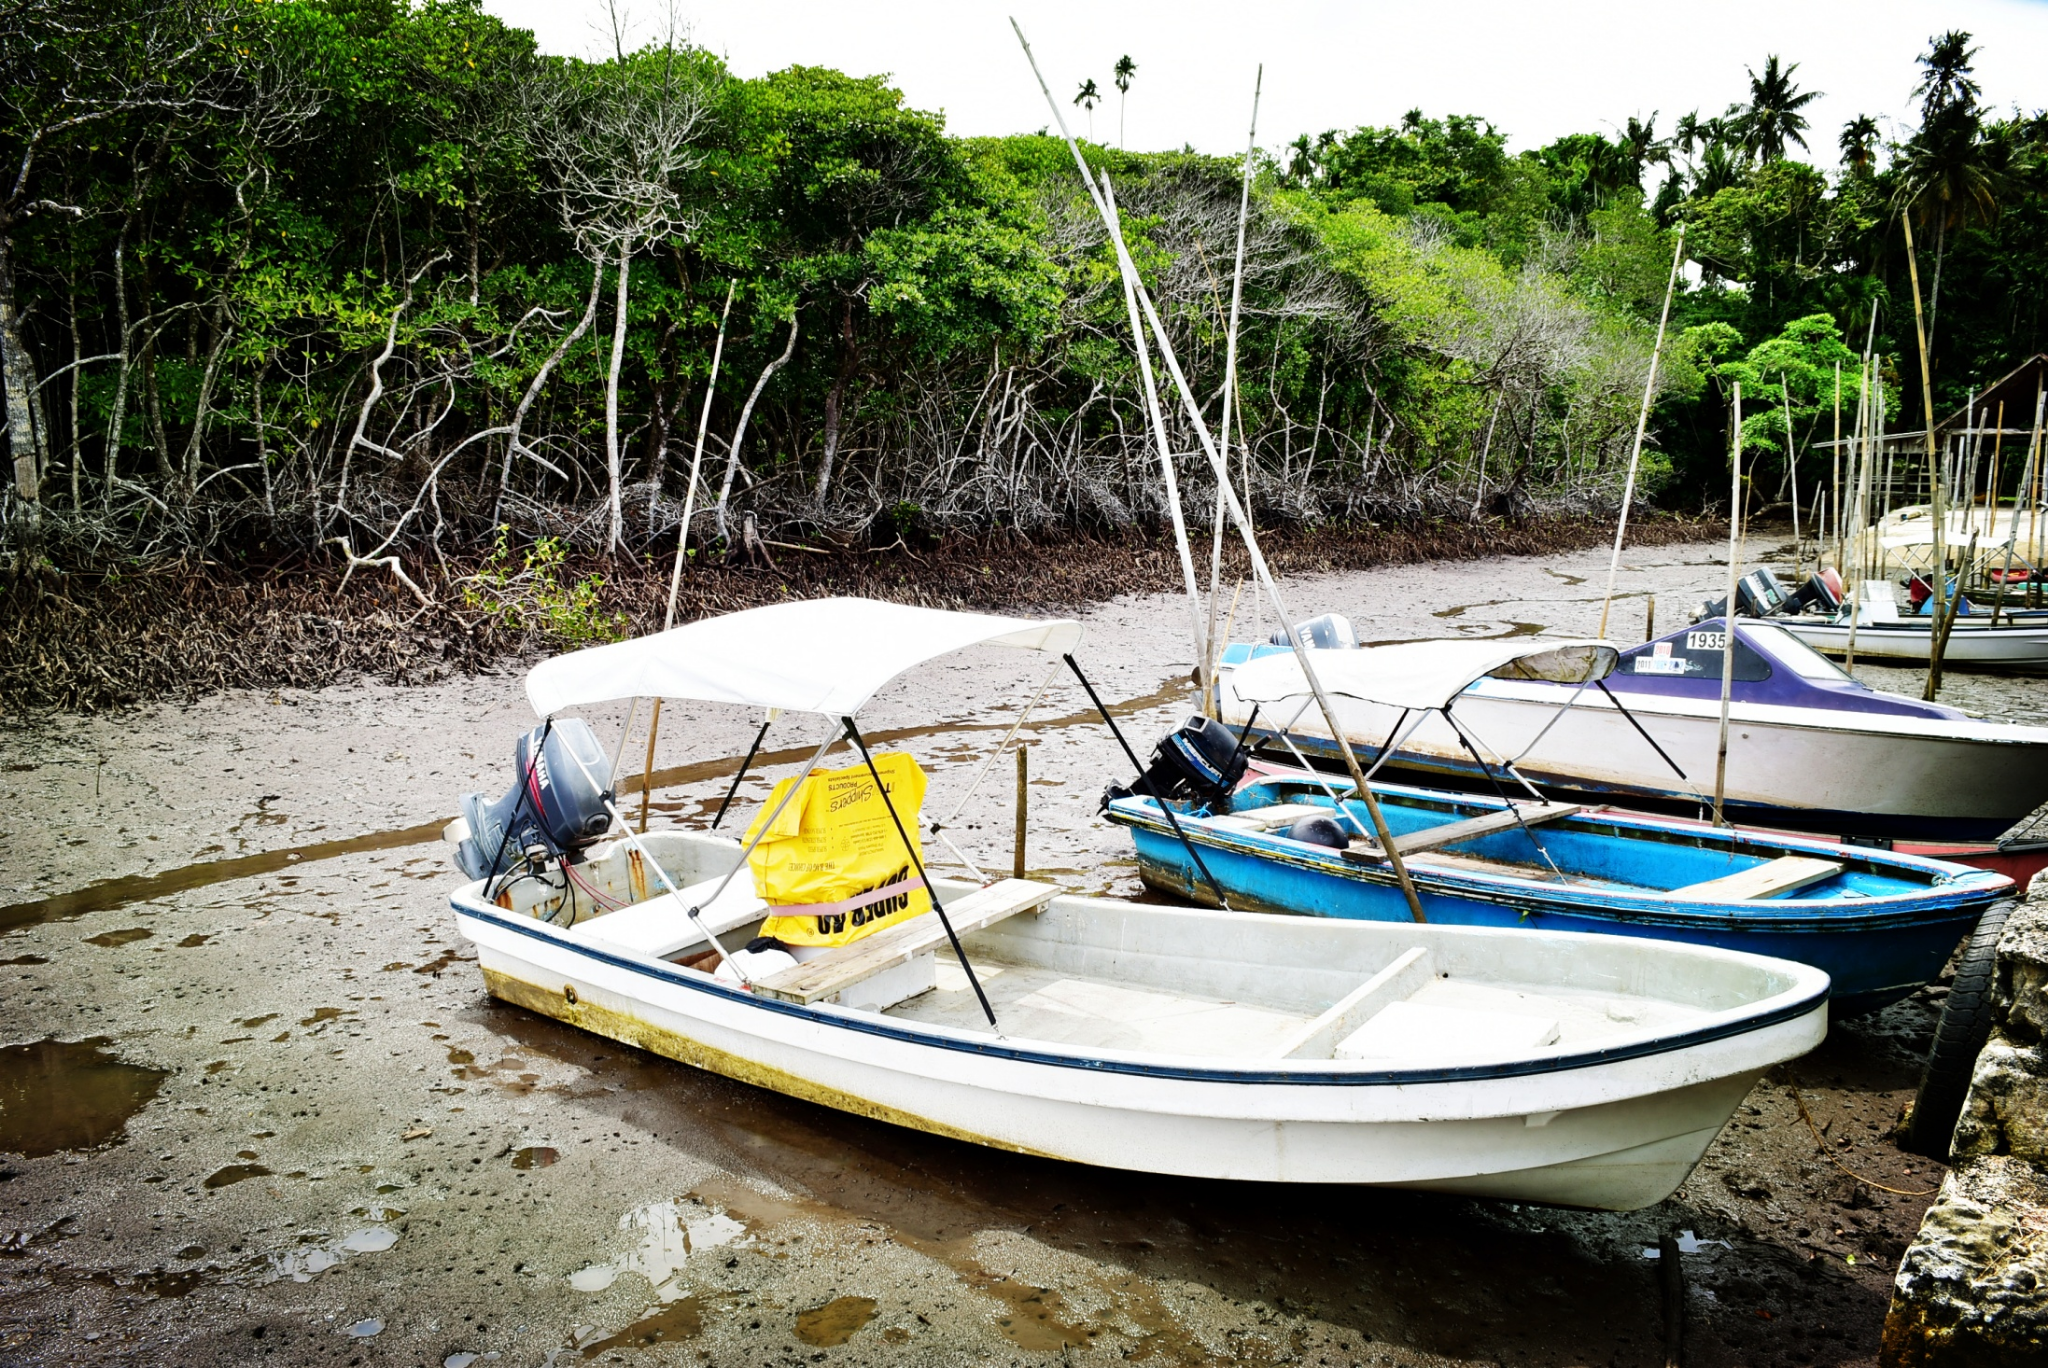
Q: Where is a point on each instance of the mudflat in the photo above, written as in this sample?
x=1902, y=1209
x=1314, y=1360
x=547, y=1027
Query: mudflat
x=257, y=1107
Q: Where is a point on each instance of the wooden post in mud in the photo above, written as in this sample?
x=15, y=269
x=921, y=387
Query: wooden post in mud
x=1650, y=620
x=1023, y=808
x=1671, y=1278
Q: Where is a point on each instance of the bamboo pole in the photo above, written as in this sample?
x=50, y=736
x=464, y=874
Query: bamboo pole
x=1792, y=470
x=1835, y=452
x=1728, y=611
x=1105, y=204
x=675, y=578
x=1940, y=586
x=1635, y=455
x=1212, y=648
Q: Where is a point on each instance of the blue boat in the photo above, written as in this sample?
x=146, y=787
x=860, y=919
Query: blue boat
x=1881, y=924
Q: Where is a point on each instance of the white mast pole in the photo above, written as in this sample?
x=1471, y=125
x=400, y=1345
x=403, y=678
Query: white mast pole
x=1244, y=206
x=1105, y=203
x=1728, y=612
x=1635, y=455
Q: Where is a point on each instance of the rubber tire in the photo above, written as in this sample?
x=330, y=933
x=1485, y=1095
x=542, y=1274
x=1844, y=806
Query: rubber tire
x=1964, y=1027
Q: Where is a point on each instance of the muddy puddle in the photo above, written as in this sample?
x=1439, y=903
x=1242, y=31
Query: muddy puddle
x=58, y=1095
x=269, y=1114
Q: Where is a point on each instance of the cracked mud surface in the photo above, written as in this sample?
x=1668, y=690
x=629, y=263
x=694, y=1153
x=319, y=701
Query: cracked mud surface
x=258, y=1108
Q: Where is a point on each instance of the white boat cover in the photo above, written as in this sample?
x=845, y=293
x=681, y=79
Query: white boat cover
x=1423, y=674
x=812, y=655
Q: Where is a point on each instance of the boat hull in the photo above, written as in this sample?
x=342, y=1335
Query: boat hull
x=1785, y=769
x=1973, y=643
x=1617, y=1129
x=1872, y=960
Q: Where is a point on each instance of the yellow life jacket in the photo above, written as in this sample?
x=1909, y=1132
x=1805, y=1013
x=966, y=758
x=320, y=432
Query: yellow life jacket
x=832, y=865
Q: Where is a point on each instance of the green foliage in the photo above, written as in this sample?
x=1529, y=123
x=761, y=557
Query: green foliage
x=538, y=597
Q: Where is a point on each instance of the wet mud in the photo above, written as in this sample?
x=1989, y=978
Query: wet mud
x=286, y=1125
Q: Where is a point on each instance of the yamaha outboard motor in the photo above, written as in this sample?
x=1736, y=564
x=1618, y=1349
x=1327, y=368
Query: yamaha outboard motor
x=557, y=803
x=1330, y=632
x=1200, y=761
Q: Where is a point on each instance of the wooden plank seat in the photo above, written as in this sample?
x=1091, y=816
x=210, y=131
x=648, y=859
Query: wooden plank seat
x=1271, y=818
x=1318, y=1039
x=838, y=969
x=661, y=926
x=1471, y=828
x=1766, y=880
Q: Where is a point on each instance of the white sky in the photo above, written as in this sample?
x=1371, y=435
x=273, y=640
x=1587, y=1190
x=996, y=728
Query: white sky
x=1536, y=70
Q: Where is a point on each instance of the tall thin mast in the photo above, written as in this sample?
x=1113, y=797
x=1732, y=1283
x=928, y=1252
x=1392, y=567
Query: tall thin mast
x=1728, y=611
x=1244, y=208
x=1635, y=455
x=1105, y=204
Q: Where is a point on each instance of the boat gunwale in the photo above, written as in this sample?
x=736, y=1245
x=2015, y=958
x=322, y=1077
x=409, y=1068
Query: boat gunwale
x=1791, y=1005
x=1813, y=916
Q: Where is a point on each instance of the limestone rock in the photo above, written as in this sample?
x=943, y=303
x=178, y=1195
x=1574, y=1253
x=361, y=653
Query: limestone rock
x=1972, y=1291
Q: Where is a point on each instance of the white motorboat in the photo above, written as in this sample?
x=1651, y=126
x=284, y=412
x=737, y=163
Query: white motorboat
x=1810, y=748
x=1528, y=1065
x=2009, y=640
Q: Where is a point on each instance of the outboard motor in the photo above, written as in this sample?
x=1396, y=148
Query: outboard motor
x=1822, y=593
x=1330, y=632
x=557, y=803
x=1757, y=594
x=1200, y=761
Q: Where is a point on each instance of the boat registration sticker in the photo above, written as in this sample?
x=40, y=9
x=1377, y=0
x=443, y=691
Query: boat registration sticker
x=1660, y=664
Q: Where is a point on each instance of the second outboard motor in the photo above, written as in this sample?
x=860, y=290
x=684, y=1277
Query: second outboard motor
x=1757, y=594
x=1822, y=593
x=1330, y=632
x=557, y=803
x=1200, y=761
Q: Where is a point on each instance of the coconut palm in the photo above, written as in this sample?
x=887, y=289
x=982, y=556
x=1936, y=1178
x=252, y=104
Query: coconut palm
x=1859, y=144
x=1124, y=70
x=1643, y=146
x=1771, y=118
x=1951, y=169
x=1088, y=99
x=1945, y=75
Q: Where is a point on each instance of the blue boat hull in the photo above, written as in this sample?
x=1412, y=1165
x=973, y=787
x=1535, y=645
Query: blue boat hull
x=1874, y=960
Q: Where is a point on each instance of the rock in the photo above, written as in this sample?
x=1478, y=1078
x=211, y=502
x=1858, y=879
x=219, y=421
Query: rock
x=1972, y=1290
x=2006, y=1112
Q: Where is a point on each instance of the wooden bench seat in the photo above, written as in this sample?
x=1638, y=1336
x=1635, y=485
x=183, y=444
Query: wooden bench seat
x=661, y=926
x=829, y=974
x=1471, y=828
x=1318, y=1039
x=1782, y=875
x=1272, y=818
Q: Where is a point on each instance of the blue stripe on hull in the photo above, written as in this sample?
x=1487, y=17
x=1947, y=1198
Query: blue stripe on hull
x=1872, y=965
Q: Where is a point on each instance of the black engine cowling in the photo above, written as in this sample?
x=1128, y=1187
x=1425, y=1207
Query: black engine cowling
x=558, y=802
x=1200, y=761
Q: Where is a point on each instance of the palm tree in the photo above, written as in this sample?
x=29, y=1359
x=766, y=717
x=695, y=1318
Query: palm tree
x=1124, y=70
x=1772, y=118
x=1951, y=169
x=1644, y=148
x=1859, y=144
x=1945, y=80
x=1087, y=99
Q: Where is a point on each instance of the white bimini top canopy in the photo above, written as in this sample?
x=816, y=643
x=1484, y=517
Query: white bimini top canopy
x=1423, y=674
x=812, y=655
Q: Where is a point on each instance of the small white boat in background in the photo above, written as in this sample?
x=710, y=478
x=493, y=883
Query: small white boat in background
x=1526, y=1065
